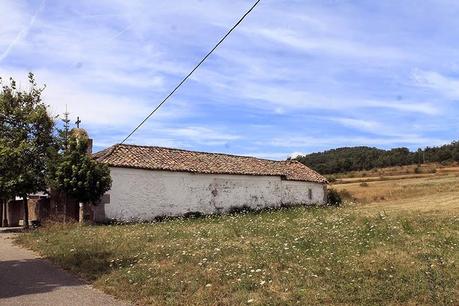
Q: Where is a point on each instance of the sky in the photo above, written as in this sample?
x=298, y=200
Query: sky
x=295, y=77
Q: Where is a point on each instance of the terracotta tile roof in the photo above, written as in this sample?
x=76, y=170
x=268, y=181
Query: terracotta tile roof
x=159, y=158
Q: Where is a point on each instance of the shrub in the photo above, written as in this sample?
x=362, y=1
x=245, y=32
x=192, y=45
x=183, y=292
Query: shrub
x=240, y=209
x=193, y=215
x=334, y=198
x=364, y=184
x=346, y=196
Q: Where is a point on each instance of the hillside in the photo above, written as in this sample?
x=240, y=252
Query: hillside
x=365, y=158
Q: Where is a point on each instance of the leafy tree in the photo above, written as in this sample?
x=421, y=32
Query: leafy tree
x=61, y=142
x=26, y=141
x=78, y=175
x=6, y=158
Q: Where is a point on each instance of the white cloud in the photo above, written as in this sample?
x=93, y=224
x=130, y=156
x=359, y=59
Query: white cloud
x=190, y=137
x=268, y=155
x=296, y=154
x=96, y=108
x=333, y=142
x=8, y=8
x=425, y=108
x=361, y=124
x=328, y=45
x=111, y=62
x=201, y=135
x=284, y=99
x=447, y=86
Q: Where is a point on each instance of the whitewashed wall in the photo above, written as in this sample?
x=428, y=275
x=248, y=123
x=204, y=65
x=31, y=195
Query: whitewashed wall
x=296, y=192
x=143, y=194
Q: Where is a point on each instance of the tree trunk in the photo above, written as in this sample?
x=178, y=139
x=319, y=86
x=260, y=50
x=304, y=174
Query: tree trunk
x=26, y=212
x=1, y=213
x=81, y=213
x=65, y=208
x=5, y=213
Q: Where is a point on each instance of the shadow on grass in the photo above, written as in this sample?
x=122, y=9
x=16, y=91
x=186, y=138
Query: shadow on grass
x=90, y=264
x=232, y=211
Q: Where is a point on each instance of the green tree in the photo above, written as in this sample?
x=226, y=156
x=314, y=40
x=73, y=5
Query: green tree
x=26, y=141
x=6, y=193
x=78, y=175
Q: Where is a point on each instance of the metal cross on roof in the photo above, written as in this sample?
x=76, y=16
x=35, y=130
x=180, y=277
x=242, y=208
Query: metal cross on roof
x=78, y=122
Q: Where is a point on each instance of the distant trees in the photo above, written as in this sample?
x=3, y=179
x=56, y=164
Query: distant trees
x=366, y=158
x=26, y=142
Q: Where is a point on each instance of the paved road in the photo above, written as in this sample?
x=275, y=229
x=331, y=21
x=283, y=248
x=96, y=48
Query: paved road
x=25, y=279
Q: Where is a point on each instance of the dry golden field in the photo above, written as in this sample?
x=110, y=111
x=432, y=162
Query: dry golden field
x=431, y=193
x=398, y=172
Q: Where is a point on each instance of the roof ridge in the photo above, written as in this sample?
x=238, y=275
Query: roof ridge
x=172, y=159
x=202, y=152
x=309, y=169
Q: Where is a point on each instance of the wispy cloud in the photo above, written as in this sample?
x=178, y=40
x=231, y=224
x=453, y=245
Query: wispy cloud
x=447, y=86
x=331, y=142
x=296, y=76
x=333, y=46
x=23, y=32
x=360, y=124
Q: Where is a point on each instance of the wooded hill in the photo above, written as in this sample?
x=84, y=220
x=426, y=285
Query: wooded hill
x=366, y=158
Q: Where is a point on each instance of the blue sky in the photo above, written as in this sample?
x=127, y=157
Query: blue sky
x=295, y=77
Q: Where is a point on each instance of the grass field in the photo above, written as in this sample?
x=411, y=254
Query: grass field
x=398, y=245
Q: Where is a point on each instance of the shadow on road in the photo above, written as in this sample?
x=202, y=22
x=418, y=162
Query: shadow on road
x=31, y=276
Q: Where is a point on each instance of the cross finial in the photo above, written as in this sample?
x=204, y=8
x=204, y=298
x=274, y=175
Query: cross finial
x=78, y=122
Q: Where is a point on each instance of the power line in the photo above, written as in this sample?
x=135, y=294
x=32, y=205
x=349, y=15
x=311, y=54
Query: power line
x=191, y=72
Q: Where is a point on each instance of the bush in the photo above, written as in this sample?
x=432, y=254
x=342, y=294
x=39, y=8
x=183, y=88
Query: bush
x=193, y=215
x=334, y=198
x=240, y=209
x=346, y=196
x=364, y=184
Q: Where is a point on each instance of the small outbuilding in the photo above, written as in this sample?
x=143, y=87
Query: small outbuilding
x=154, y=181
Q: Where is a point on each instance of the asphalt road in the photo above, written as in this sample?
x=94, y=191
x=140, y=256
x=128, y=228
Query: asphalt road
x=26, y=279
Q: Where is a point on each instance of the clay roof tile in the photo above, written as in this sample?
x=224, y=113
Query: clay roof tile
x=159, y=158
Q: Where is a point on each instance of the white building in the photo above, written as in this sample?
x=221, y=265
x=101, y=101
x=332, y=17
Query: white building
x=155, y=181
